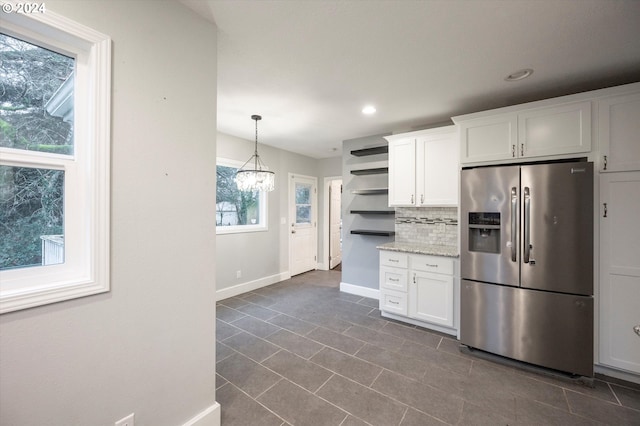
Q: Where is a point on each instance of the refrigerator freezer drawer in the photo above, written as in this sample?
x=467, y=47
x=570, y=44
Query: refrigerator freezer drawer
x=552, y=330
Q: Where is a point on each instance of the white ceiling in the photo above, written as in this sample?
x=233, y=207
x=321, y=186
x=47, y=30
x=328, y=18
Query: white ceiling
x=309, y=67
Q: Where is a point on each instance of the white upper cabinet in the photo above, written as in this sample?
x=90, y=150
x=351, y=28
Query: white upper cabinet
x=536, y=132
x=402, y=172
x=619, y=133
x=562, y=129
x=489, y=138
x=437, y=169
x=424, y=168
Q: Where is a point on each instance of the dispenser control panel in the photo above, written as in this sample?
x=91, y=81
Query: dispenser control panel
x=484, y=232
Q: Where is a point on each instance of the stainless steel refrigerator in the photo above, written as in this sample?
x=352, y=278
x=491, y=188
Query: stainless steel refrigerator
x=526, y=262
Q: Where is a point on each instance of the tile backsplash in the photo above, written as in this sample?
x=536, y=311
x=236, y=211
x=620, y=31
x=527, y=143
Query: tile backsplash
x=427, y=225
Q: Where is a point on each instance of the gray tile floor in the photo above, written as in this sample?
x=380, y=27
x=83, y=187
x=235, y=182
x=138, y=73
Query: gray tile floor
x=300, y=352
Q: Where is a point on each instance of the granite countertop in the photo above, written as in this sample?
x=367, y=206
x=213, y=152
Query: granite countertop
x=432, y=250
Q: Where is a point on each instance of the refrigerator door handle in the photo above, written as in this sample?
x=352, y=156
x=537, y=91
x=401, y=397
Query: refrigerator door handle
x=527, y=225
x=514, y=222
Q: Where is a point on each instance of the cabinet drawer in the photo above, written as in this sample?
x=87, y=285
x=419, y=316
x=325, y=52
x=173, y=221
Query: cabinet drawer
x=393, y=258
x=393, y=278
x=433, y=264
x=393, y=301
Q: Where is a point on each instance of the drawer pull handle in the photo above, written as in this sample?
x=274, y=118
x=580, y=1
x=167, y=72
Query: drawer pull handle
x=431, y=266
x=394, y=279
x=394, y=260
x=394, y=303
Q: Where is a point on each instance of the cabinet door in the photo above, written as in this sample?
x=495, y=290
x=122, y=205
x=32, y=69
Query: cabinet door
x=402, y=173
x=562, y=129
x=431, y=298
x=619, y=127
x=488, y=139
x=437, y=169
x=620, y=270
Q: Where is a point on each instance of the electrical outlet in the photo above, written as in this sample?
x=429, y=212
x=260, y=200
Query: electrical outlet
x=238, y=274
x=127, y=421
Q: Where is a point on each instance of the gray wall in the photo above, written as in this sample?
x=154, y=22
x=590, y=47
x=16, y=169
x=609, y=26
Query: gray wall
x=147, y=346
x=264, y=254
x=359, y=253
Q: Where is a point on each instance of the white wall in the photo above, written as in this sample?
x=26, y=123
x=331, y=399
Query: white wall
x=264, y=256
x=147, y=346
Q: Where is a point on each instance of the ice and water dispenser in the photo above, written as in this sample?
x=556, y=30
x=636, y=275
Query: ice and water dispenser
x=484, y=232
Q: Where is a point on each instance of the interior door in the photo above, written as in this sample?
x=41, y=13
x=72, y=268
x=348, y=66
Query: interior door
x=303, y=226
x=557, y=227
x=335, y=223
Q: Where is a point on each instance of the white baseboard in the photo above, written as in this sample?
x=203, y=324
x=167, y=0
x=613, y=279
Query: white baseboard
x=618, y=374
x=358, y=290
x=225, y=293
x=210, y=416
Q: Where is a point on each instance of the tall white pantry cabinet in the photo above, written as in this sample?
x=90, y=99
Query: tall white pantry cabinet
x=619, y=297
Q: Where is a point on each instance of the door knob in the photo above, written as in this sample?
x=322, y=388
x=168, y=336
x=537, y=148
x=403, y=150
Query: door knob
x=293, y=231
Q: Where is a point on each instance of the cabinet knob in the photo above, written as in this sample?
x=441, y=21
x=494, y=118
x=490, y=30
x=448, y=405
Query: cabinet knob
x=605, y=209
x=421, y=198
x=513, y=151
x=521, y=149
x=636, y=329
x=411, y=198
x=605, y=163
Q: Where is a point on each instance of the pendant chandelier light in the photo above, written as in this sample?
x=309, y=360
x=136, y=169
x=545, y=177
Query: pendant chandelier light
x=254, y=175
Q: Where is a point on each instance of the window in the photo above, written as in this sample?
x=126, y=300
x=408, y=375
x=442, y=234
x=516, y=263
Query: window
x=303, y=203
x=54, y=160
x=237, y=211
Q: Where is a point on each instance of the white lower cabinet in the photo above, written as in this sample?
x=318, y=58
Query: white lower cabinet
x=418, y=287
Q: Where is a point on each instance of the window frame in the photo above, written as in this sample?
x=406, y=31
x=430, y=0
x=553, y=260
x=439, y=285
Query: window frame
x=87, y=171
x=237, y=229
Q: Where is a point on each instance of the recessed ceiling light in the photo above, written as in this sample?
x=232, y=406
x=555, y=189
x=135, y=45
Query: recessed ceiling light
x=369, y=109
x=519, y=75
